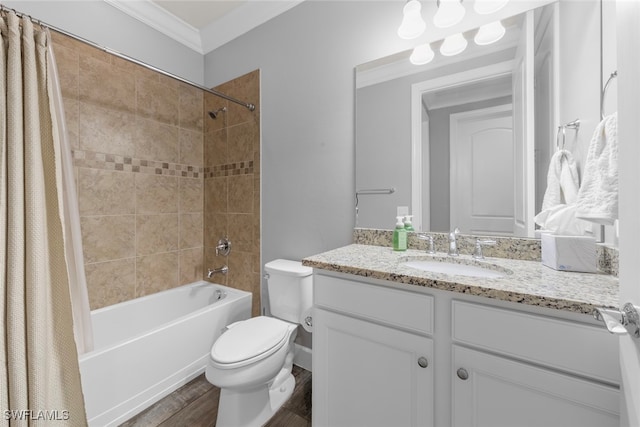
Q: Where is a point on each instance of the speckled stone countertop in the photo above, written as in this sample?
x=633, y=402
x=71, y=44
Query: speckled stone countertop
x=525, y=282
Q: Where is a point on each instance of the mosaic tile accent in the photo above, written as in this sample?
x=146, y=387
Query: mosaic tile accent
x=96, y=160
x=238, y=168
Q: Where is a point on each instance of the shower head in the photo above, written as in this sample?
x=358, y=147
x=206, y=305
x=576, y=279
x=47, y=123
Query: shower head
x=214, y=114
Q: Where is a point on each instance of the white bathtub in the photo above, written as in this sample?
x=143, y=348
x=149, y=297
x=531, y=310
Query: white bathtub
x=148, y=347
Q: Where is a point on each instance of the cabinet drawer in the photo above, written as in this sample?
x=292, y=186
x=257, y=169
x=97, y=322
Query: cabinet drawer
x=579, y=348
x=408, y=310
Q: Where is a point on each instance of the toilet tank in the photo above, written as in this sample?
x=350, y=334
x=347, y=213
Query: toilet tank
x=290, y=286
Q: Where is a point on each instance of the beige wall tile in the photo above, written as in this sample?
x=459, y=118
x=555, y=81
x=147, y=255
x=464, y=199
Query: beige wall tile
x=241, y=194
x=216, y=190
x=106, y=130
x=215, y=228
x=156, y=141
x=157, y=101
x=191, y=148
x=241, y=232
x=155, y=273
x=242, y=148
x=156, y=194
x=67, y=61
x=191, y=108
x=191, y=226
x=214, y=103
x=72, y=121
x=156, y=233
x=103, y=192
x=106, y=238
x=100, y=84
x=110, y=282
x=215, y=148
x=191, y=265
x=191, y=195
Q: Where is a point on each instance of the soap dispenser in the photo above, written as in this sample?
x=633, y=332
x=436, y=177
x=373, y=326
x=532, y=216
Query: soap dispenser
x=407, y=223
x=399, y=236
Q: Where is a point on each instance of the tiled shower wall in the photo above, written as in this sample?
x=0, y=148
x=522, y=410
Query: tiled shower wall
x=232, y=185
x=137, y=140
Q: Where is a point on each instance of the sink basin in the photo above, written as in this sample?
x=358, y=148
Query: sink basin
x=456, y=269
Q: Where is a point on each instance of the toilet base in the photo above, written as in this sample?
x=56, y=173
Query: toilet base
x=253, y=408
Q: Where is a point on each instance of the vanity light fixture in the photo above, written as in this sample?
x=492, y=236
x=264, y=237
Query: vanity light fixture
x=485, y=7
x=422, y=54
x=449, y=13
x=453, y=45
x=412, y=25
x=489, y=33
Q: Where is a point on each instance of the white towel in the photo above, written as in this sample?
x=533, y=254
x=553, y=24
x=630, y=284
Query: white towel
x=598, y=195
x=562, y=181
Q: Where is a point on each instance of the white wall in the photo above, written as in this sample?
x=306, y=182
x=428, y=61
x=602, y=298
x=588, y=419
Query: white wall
x=307, y=58
x=105, y=25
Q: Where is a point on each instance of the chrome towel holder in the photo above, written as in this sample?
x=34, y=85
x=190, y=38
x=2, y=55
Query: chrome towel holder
x=604, y=92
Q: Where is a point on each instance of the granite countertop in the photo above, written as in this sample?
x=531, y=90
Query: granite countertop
x=527, y=282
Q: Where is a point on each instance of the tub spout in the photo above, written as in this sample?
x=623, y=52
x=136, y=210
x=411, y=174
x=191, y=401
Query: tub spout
x=224, y=270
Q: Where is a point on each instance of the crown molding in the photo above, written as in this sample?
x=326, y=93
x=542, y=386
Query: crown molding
x=160, y=19
x=235, y=23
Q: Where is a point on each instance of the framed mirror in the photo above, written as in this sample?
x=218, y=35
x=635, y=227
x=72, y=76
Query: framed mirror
x=414, y=151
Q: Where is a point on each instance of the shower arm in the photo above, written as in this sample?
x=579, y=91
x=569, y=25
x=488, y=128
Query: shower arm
x=249, y=106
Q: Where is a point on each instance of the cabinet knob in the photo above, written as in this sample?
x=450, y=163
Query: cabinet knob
x=462, y=374
x=423, y=362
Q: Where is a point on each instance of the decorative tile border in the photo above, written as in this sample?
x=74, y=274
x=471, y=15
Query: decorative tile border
x=238, y=168
x=96, y=160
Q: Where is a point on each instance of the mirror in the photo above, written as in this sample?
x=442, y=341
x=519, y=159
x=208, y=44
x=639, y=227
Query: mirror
x=407, y=117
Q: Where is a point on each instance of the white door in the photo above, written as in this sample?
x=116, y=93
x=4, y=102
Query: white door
x=628, y=26
x=482, y=171
x=523, y=130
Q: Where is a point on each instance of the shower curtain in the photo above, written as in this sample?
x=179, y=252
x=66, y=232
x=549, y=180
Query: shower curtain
x=39, y=373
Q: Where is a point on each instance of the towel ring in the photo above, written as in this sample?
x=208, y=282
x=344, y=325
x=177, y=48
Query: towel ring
x=604, y=92
x=575, y=125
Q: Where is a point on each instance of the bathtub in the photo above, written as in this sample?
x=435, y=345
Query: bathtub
x=150, y=346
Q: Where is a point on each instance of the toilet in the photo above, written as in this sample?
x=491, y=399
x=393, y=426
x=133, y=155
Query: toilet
x=251, y=361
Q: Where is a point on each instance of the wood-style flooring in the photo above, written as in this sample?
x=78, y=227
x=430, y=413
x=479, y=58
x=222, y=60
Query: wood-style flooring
x=196, y=404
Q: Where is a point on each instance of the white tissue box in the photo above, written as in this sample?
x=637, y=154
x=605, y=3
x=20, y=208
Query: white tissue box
x=569, y=253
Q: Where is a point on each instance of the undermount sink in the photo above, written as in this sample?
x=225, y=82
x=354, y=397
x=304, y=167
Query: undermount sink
x=455, y=268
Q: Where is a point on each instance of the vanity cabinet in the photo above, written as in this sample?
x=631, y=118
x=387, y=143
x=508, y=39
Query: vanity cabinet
x=513, y=368
x=371, y=366
x=384, y=354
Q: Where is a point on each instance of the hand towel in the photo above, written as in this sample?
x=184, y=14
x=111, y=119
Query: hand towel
x=598, y=195
x=561, y=220
x=562, y=180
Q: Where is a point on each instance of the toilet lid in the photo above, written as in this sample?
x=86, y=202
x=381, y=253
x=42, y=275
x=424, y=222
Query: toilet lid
x=248, y=339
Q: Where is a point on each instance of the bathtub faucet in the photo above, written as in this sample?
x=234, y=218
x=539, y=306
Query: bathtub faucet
x=224, y=270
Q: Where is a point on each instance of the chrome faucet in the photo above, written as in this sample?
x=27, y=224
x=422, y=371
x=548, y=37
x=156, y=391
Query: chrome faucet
x=477, y=253
x=223, y=270
x=453, y=243
x=429, y=239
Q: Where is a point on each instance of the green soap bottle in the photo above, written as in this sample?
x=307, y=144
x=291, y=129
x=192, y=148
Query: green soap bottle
x=399, y=236
x=407, y=223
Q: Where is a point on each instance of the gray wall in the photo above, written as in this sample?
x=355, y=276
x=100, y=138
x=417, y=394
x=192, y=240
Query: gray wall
x=307, y=58
x=105, y=25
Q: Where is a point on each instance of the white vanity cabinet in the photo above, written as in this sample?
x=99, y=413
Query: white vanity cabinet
x=372, y=355
x=386, y=355
x=520, y=369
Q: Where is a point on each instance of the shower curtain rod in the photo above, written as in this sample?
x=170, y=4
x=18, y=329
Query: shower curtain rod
x=249, y=106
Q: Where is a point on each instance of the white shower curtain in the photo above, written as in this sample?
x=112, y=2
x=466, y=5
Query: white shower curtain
x=39, y=372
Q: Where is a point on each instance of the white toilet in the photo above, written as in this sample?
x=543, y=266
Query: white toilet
x=251, y=362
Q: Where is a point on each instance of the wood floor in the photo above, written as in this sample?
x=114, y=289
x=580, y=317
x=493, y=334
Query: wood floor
x=196, y=404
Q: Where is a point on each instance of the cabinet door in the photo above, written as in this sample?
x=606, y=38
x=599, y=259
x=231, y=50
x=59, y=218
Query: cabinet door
x=502, y=392
x=366, y=374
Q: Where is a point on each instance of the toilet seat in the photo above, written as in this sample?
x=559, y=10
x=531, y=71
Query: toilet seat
x=249, y=341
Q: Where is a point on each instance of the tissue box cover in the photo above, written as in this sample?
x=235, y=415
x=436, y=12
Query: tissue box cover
x=569, y=253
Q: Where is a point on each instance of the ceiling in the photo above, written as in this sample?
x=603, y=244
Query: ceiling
x=203, y=25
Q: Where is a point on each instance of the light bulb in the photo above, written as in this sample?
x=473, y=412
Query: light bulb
x=485, y=7
x=489, y=33
x=453, y=45
x=449, y=13
x=412, y=23
x=422, y=54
